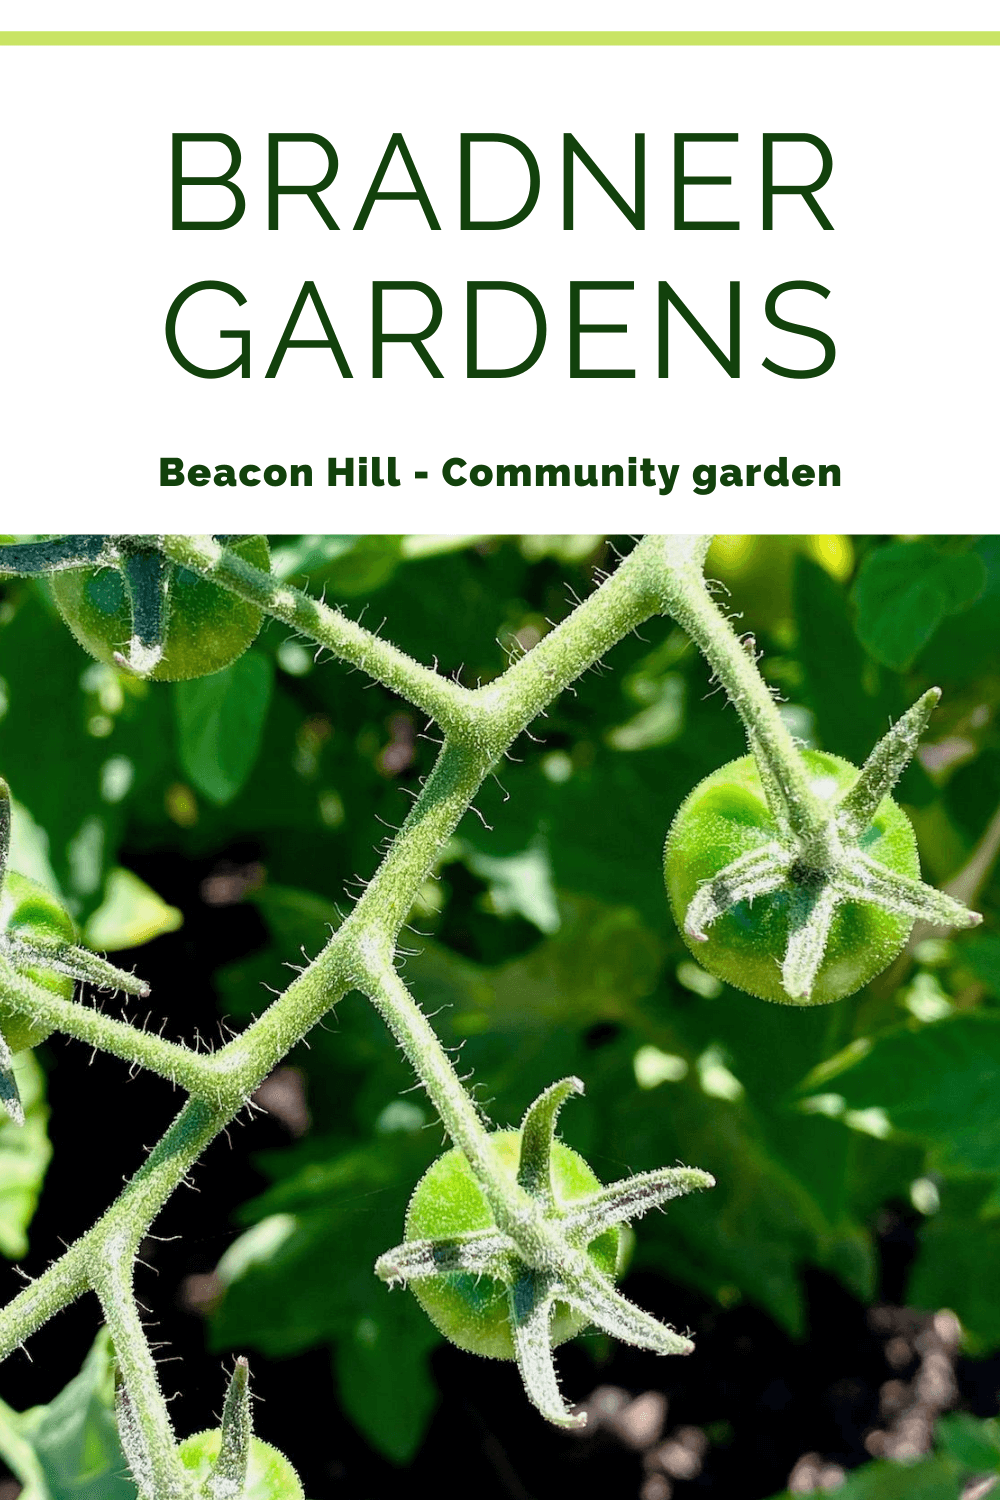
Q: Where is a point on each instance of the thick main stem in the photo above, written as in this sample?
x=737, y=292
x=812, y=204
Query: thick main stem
x=132, y=1212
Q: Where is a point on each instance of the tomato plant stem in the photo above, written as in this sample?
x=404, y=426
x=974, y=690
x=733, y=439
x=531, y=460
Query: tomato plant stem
x=157, y=1462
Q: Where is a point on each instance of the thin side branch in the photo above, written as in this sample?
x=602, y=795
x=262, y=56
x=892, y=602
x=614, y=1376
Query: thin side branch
x=193, y=1072
x=443, y=699
x=152, y=1426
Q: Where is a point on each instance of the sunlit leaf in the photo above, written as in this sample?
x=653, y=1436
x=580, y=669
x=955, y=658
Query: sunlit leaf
x=24, y=1156
x=937, y=1083
x=956, y=1264
x=130, y=914
x=69, y=1450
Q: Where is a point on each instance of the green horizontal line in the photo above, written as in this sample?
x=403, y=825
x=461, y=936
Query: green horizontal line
x=499, y=38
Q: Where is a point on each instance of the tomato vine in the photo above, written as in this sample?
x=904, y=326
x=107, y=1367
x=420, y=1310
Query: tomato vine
x=532, y=1239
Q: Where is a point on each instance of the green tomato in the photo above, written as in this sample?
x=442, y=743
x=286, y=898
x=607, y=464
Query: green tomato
x=269, y=1475
x=727, y=815
x=206, y=626
x=28, y=910
x=472, y=1311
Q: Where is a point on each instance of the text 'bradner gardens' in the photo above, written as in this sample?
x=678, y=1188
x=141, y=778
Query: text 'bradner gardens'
x=409, y=311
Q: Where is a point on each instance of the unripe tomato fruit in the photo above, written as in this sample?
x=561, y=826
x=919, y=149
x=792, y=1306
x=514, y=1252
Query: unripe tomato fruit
x=28, y=910
x=472, y=1311
x=269, y=1474
x=727, y=815
x=206, y=629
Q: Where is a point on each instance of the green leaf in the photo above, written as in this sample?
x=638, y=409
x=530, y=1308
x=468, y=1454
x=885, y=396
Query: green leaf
x=936, y=1478
x=56, y=737
x=20, y=1457
x=520, y=884
x=981, y=953
x=130, y=914
x=383, y=1375
x=220, y=724
x=659, y=723
x=303, y=1275
x=937, y=1084
x=747, y=1237
x=956, y=1267
x=69, y=1450
x=24, y=1156
x=595, y=968
x=29, y=849
x=849, y=721
x=964, y=647
x=905, y=590
x=973, y=1442
x=346, y=566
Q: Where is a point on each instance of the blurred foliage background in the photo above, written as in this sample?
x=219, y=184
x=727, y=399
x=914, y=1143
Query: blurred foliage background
x=544, y=947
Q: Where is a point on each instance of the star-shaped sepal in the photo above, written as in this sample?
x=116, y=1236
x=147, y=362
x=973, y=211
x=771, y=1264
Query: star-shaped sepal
x=544, y=1261
x=22, y=956
x=833, y=870
x=228, y=1472
x=145, y=571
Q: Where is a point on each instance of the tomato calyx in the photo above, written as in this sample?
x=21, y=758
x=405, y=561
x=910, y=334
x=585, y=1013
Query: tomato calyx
x=543, y=1260
x=828, y=867
x=147, y=576
x=145, y=571
x=229, y=1474
x=27, y=945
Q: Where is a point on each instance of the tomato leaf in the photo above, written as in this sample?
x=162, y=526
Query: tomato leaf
x=937, y=1084
x=959, y=1249
x=302, y=1275
x=383, y=1376
x=69, y=1450
x=975, y=1443
x=982, y=954
x=24, y=1156
x=220, y=724
x=130, y=914
x=905, y=590
x=937, y=1478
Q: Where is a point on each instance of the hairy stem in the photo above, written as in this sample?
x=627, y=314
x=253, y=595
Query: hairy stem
x=131, y=1215
x=169, y=1060
x=113, y=1284
x=419, y=1041
x=685, y=596
x=324, y=626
